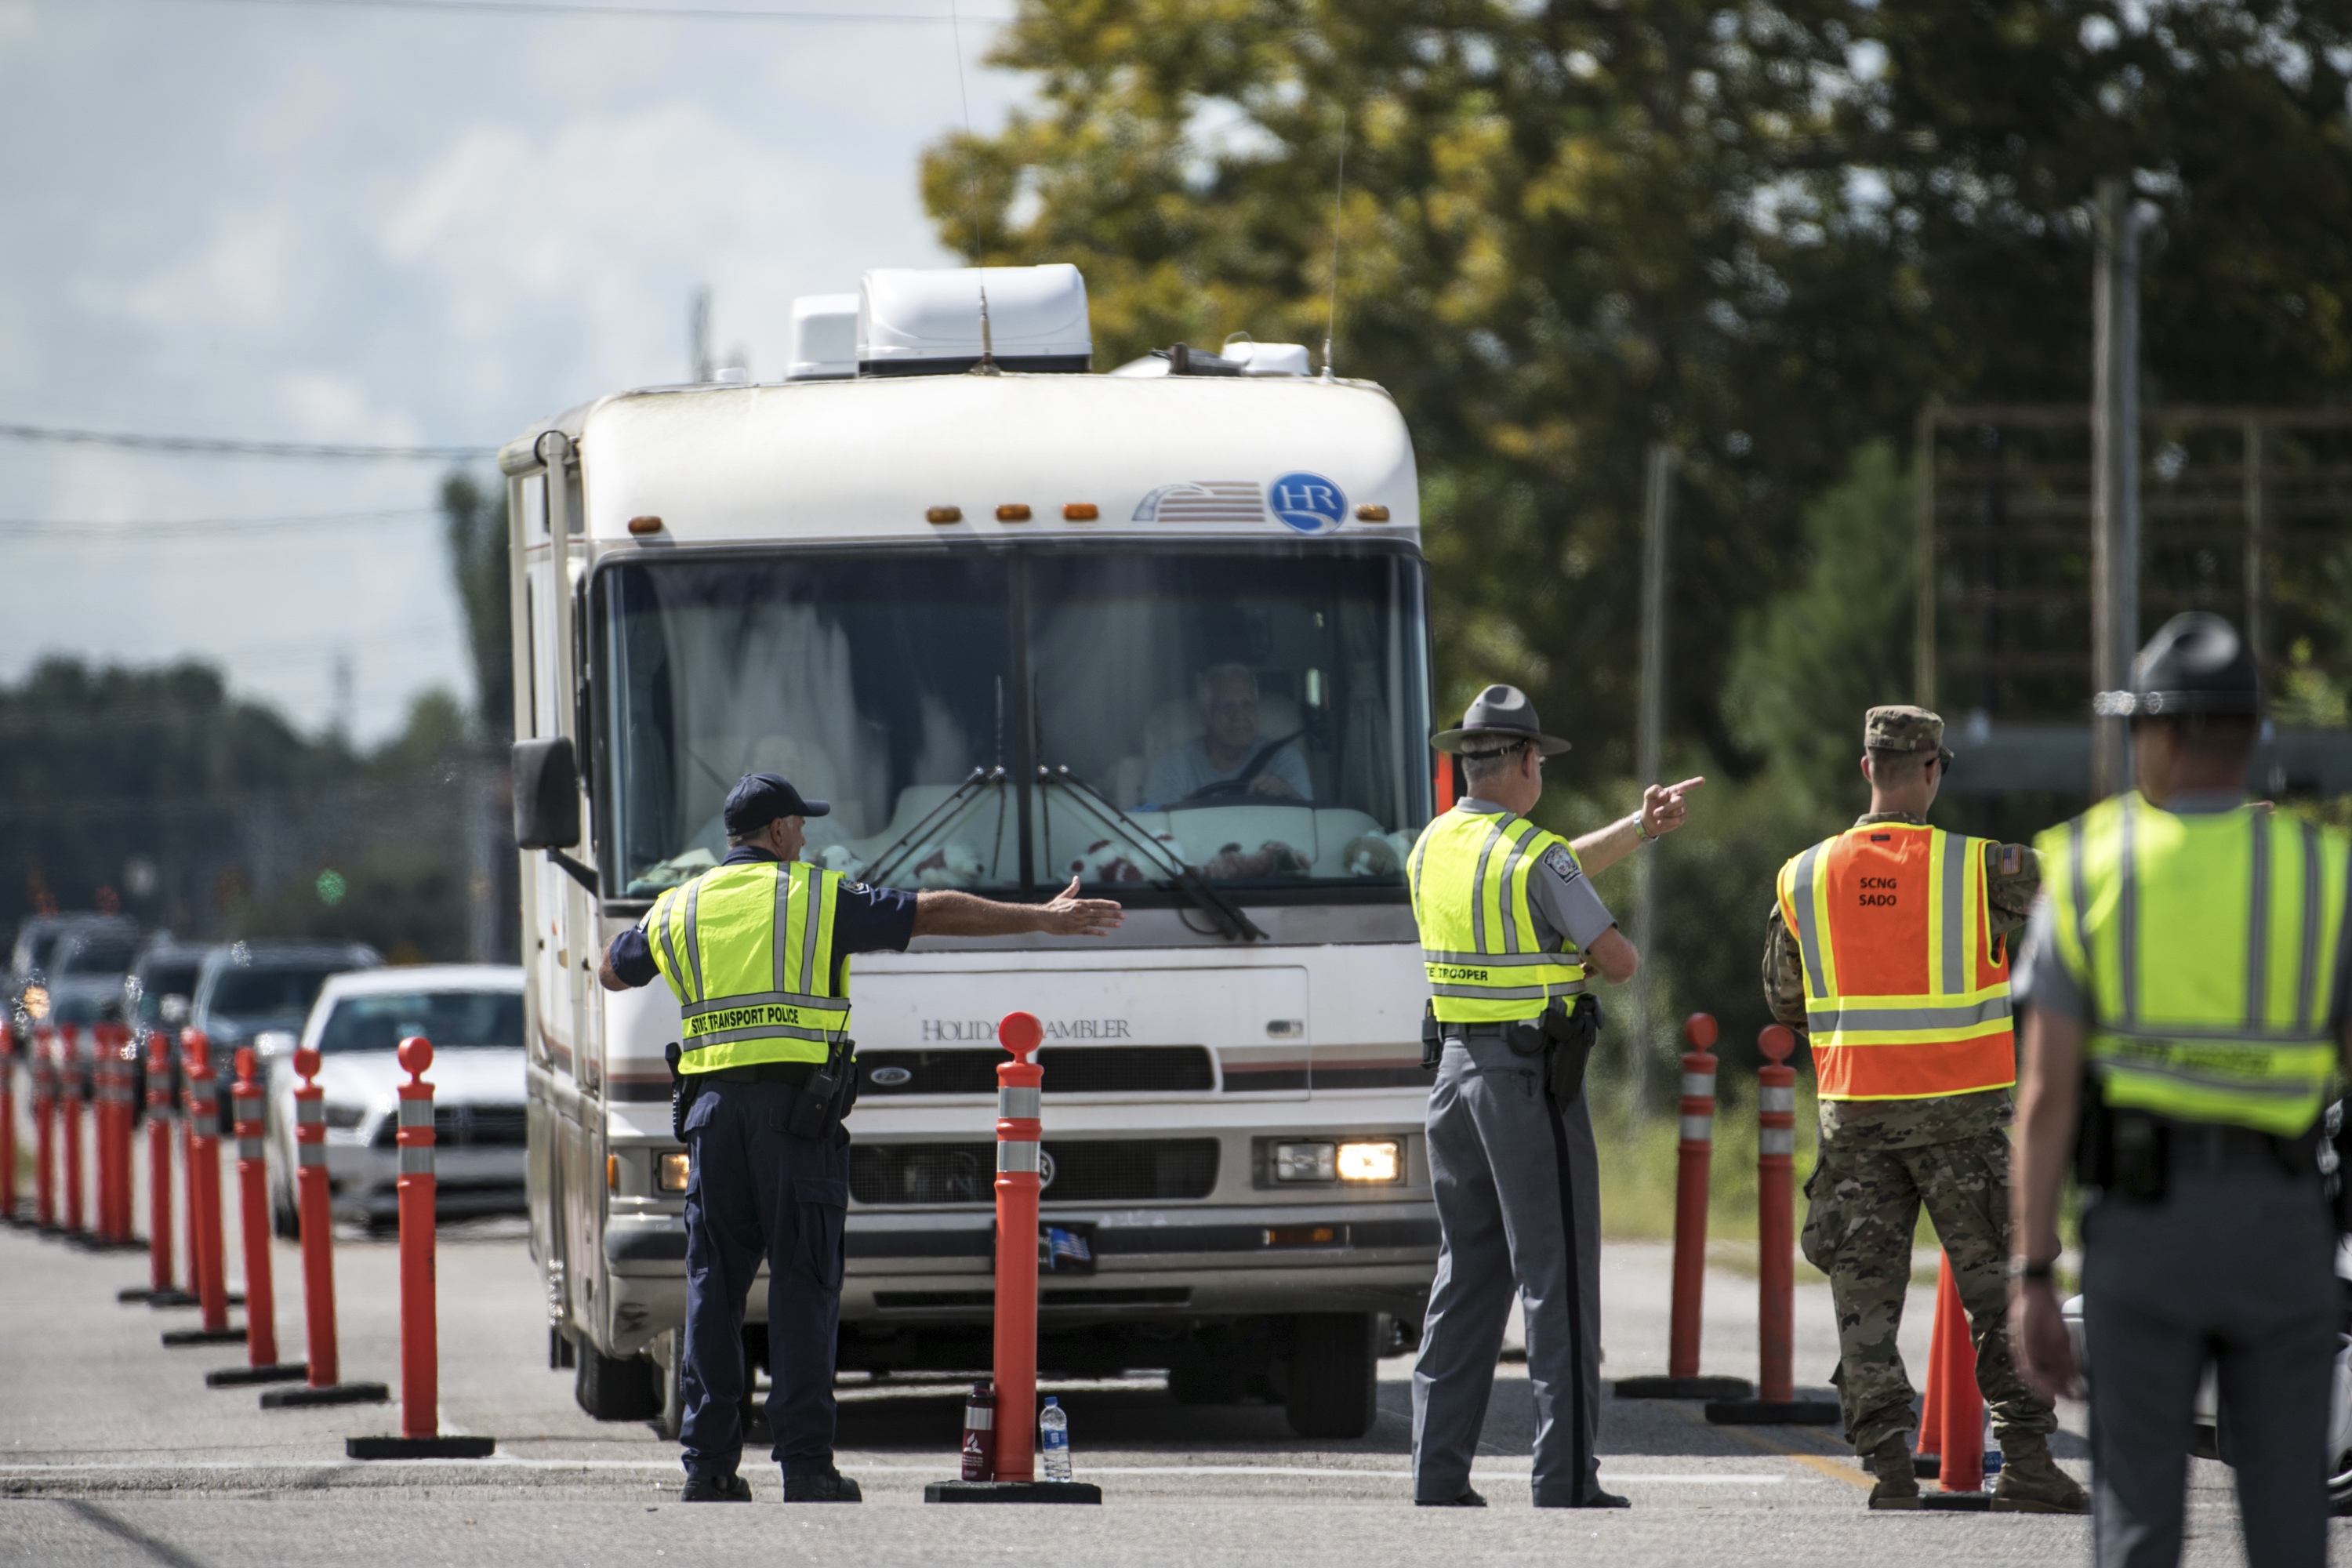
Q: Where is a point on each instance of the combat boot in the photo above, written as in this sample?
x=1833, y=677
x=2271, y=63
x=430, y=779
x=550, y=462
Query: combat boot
x=2031, y=1480
x=1898, y=1483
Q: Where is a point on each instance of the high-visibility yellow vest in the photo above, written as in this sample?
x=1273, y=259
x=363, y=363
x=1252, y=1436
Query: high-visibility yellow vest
x=1906, y=997
x=2208, y=947
x=1479, y=941
x=748, y=950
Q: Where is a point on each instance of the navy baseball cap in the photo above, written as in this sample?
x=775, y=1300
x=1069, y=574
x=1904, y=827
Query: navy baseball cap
x=758, y=799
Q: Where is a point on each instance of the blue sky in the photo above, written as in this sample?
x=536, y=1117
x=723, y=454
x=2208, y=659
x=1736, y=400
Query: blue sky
x=280, y=221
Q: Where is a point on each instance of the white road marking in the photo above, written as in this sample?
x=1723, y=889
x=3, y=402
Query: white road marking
x=503, y=1461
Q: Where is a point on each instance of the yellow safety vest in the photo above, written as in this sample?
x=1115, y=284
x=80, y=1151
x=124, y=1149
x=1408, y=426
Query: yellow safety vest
x=2208, y=946
x=1478, y=941
x=748, y=950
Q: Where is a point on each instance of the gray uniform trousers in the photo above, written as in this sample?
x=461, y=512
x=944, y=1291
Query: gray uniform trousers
x=1518, y=1208
x=2234, y=1265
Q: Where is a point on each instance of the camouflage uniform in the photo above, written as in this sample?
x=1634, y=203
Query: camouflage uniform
x=1881, y=1158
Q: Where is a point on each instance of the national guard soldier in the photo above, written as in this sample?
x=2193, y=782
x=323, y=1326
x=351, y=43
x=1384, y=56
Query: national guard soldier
x=2185, y=985
x=757, y=952
x=1888, y=946
x=1508, y=922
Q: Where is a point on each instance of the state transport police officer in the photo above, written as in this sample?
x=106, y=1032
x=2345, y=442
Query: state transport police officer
x=1508, y=922
x=756, y=951
x=2185, y=975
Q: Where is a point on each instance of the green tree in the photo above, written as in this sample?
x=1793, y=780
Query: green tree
x=1765, y=233
x=474, y=524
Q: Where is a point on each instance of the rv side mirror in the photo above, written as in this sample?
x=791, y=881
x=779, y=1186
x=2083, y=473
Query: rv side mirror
x=546, y=795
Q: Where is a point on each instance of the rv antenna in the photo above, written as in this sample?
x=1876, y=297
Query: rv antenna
x=987, y=365
x=1338, y=192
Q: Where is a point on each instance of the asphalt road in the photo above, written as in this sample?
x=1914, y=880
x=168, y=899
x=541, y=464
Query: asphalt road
x=113, y=1451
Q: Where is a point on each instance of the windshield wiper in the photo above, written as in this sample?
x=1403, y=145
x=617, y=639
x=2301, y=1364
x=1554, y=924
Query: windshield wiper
x=884, y=863
x=1229, y=918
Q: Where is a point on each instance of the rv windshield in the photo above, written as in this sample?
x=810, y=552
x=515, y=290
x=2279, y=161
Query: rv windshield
x=1258, y=715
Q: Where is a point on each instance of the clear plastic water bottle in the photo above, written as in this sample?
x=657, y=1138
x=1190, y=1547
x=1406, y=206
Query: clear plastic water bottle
x=1053, y=1440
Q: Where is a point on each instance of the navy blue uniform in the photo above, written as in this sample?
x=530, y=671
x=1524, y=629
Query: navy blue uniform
x=756, y=1194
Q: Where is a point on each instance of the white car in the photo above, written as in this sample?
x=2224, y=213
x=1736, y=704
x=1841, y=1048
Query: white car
x=473, y=1014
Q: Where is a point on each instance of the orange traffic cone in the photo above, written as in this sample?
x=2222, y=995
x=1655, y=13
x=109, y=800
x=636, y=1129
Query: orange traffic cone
x=1951, y=1411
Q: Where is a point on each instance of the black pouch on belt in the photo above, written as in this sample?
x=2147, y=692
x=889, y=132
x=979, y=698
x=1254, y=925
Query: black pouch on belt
x=683, y=1088
x=1573, y=1032
x=818, y=1107
x=1433, y=1037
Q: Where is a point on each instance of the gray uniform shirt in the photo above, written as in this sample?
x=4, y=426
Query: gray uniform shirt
x=2040, y=978
x=1559, y=891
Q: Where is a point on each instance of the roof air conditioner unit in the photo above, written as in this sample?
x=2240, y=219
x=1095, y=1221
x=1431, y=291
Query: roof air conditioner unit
x=913, y=322
x=825, y=338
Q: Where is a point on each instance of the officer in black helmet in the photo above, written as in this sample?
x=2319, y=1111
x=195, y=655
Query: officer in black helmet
x=2184, y=984
x=757, y=952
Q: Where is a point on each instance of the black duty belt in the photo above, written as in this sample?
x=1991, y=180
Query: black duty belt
x=2210, y=1146
x=793, y=1073
x=1474, y=1031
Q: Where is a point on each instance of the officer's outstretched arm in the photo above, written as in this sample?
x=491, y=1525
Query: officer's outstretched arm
x=1611, y=954
x=940, y=911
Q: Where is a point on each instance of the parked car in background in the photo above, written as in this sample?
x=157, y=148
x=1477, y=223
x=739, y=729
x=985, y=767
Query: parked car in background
x=39, y=944
x=473, y=1014
x=160, y=994
x=80, y=983
x=250, y=988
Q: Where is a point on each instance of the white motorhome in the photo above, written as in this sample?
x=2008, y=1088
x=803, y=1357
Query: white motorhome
x=1015, y=621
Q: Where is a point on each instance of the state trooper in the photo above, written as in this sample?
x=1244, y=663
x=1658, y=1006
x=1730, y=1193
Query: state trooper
x=1887, y=945
x=1508, y=922
x=2185, y=986
x=757, y=952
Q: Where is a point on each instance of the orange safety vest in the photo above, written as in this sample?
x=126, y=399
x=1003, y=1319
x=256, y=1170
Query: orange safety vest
x=1906, y=995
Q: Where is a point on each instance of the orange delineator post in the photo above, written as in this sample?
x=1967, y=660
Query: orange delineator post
x=420, y=1330
x=159, y=1163
x=113, y=1135
x=1020, y=1128
x=69, y=1113
x=7, y=1120
x=1776, y=1146
x=203, y=1189
x=1951, y=1413
x=101, y=1082
x=311, y=1198
x=1694, y=1156
x=45, y=1126
x=253, y=1185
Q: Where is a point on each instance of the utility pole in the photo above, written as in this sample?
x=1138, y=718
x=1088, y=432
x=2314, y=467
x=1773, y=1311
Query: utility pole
x=1657, y=522
x=2114, y=481
x=697, y=334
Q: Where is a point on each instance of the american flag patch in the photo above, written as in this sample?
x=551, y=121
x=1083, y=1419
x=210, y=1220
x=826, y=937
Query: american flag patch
x=1204, y=501
x=2011, y=856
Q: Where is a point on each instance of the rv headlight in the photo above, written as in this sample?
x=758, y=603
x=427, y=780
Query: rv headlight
x=673, y=1170
x=1306, y=1162
x=1369, y=1162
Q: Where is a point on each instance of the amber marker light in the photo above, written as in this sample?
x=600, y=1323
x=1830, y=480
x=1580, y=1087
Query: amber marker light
x=1368, y=513
x=644, y=525
x=944, y=514
x=1080, y=511
x=612, y=1173
x=1012, y=511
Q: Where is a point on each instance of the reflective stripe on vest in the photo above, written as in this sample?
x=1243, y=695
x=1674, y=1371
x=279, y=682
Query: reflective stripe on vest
x=1903, y=998
x=2208, y=947
x=748, y=950
x=1479, y=944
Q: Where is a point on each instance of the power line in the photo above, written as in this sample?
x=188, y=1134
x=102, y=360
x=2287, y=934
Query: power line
x=206, y=527
x=215, y=447
x=574, y=8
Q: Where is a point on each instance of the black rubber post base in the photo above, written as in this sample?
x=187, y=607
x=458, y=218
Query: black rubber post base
x=1684, y=1388
x=1927, y=1467
x=1774, y=1413
x=179, y=1338
x=333, y=1393
x=130, y=1293
x=241, y=1376
x=435, y=1448
x=1012, y=1491
x=159, y=1300
x=1957, y=1502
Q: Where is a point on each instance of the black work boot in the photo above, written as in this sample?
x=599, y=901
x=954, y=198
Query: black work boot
x=1898, y=1482
x=822, y=1488
x=1468, y=1498
x=716, y=1488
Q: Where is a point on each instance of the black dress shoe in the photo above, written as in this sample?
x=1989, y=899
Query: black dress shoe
x=822, y=1488
x=716, y=1488
x=1467, y=1499
x=1599, y=1498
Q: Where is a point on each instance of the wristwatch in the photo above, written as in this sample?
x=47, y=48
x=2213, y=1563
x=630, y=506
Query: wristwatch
x=2026, y=1269
x=1642, y=834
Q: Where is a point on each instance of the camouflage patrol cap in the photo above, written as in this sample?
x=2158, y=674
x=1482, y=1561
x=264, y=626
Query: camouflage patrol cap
x=1899, y=727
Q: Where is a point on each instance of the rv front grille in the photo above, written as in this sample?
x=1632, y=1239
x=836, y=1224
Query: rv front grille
x=1092, y=1172
x=1069, y=1069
